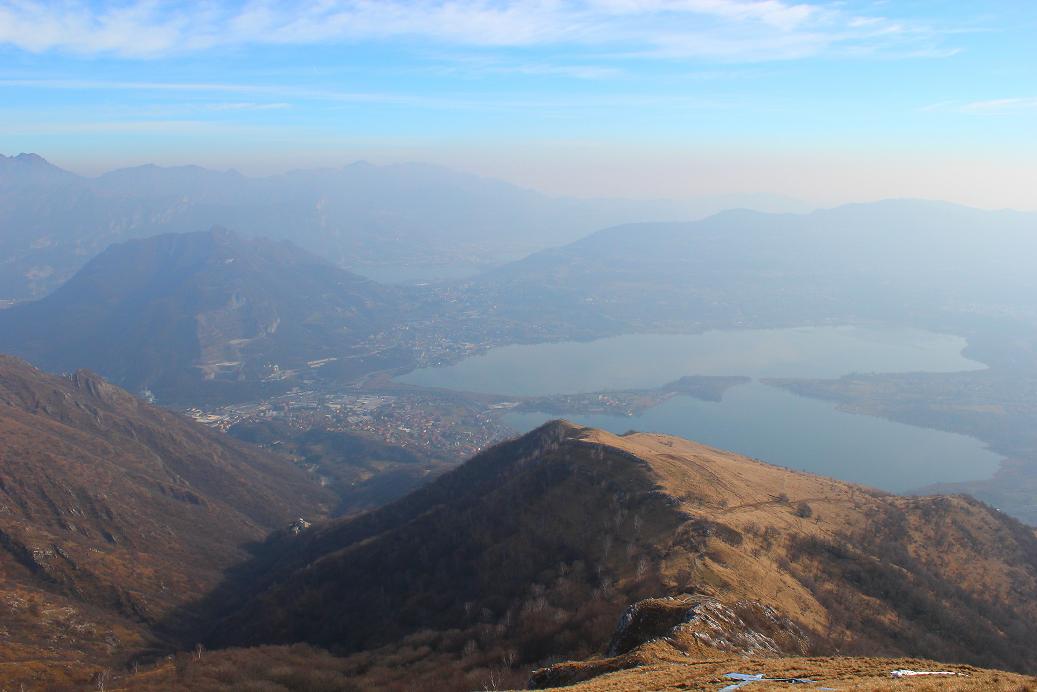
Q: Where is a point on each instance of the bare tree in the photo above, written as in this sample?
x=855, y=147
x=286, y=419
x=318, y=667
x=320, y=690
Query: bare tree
x=642, y=568
x=101, y=678
x=494, y=679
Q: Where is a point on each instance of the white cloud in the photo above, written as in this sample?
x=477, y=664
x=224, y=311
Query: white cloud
x=730, y=30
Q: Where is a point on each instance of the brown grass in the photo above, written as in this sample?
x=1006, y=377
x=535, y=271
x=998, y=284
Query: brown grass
x=872, y=674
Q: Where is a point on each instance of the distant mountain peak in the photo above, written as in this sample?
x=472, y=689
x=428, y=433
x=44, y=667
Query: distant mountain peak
x=31, y=158
x=31, y=168
x=181, y=313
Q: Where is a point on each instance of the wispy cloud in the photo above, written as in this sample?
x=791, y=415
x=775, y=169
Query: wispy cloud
x=273, y=90
x=248, y=106
x=739, y=30
x=1000, y=106
x=121, y=127
x=218, y=96
x=481, y=65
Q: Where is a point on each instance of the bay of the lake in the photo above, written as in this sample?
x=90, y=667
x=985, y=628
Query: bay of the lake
x=752, y=419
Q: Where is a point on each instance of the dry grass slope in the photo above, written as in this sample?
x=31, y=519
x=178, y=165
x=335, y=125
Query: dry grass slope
x=114, y=515
x=527, y=556
x=870, y=674
x=529, y=553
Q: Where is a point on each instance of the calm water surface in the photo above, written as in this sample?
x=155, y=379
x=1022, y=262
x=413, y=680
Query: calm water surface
x=651, y=360
x=753, y=419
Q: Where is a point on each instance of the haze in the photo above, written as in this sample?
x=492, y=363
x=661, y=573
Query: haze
x=824, y=102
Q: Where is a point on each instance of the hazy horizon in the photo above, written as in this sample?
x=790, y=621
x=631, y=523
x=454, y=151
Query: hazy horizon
x=824, y=102
x=739, y=199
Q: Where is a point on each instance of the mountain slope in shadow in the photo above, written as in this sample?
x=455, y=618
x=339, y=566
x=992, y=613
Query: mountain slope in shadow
x=531, y=551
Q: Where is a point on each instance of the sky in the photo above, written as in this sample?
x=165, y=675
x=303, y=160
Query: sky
x=822, y=101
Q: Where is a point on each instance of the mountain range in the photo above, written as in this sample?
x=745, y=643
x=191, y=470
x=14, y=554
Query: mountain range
x=896, y=260
x=393, y=222
x=128, y=532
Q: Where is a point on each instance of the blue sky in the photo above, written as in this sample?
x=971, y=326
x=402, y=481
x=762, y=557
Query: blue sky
x=824, y=101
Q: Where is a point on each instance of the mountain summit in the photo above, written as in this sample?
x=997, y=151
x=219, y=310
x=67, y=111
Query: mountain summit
x=533, y=550
x=200, y=312
x=30, y=170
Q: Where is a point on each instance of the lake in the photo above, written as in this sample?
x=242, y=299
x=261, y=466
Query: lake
x=752, y=419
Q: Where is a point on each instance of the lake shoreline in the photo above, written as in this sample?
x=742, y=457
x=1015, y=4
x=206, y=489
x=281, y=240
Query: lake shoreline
x=735, y=408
